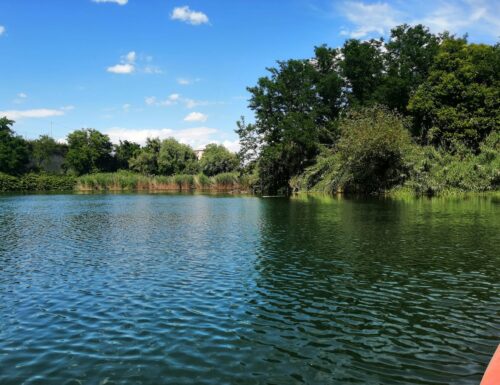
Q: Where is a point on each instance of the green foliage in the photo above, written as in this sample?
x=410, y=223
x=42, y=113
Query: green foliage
x=363, y=69
x=146, y=160
x=14, y=151
x=460, y=99
x=217, y=159
x=176, y=158
x=435, y=171
x=47, y=155
x=36, y=183
x=124, y=151
x=88, y=151
x=410, y=53
x=369, y=156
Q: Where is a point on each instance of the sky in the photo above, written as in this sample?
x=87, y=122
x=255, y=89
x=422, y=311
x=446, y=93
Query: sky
x=158, y=68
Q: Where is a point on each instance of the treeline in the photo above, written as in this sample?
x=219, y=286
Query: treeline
x=420, y=111
x=88, y=151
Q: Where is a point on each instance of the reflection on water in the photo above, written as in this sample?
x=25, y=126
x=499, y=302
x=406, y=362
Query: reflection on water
x=150, y=289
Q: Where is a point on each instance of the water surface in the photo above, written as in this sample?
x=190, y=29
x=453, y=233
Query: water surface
x=179, y=289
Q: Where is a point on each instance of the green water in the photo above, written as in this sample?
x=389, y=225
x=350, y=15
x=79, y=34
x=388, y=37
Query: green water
x=180, y=289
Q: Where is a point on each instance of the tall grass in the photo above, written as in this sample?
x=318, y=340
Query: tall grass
x=129, y=181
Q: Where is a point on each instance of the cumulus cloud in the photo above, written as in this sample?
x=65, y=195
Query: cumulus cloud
x=126, y=68
x=196, y=117
x=2, y=30
x=35, y=113
x=119, y=2
x=127, y=65
x=189, y=16
x=195, y=137
x=131, y=62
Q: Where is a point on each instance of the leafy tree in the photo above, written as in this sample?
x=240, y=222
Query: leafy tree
x=250, y=143
x=146, y=160
x=363, y=68
x=176, y=158
x=124, y=151
x=410, y=54
x=295, y=108
x=217, y=159
x=47, y=155
x=460, y=99
x=14, y=151
x=88, y=151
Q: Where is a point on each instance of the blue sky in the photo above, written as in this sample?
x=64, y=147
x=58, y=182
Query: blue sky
x=139, y=68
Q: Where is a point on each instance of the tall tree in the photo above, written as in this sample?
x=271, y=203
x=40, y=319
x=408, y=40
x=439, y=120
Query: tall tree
x=14, y=152
x=47, y=154
x=176, y=158
x=124, y=151
x=217, y=159
x=88, y=151
x=146, y=160
x=363, y=68
x=460, y=99
x=409, y=55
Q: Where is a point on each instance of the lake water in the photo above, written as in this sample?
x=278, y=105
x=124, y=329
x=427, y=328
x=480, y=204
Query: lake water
x=193, y=289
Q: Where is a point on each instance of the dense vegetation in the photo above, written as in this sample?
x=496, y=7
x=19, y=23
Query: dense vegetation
x=90, y=161
x=420, y=112
x=417, y=113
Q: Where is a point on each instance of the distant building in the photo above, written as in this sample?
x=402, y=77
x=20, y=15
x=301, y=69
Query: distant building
x=199, y=152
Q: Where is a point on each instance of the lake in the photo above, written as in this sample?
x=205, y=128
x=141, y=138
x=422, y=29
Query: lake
x=195, y=289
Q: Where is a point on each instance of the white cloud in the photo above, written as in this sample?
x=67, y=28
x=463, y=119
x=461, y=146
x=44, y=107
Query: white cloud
x=2, y=30
x=126, y=107
x=464, y=16
x=187, y=81
x=169, y=101
x=370, y=18
x=119, y=2
x=67, y=108
x=22, y=95
x=195, y=137
x=35, y=113
x=233, y=146
x=479, y=18
x=131, y=56
x=196, y=117
x=121, y=68
x=127, y=65
x=189, y=16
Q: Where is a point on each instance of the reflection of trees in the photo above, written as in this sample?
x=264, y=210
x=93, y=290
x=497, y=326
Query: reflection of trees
x=353, y=277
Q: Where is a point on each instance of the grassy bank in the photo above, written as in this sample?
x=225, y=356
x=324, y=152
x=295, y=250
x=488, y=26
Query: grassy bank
x=129, y=181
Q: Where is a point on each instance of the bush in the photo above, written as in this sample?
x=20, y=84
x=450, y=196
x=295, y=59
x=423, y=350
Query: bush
x=37, y=182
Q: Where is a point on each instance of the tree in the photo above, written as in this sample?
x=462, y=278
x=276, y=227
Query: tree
x=47, y=155
x=14, y=153
x=371, y=150
x=124, y=151
x=410, y=54
x=217, y=159
x=363, y=68
x=176, y=158
x=460, y=99
x=295, y=107
x=88, y=151
x=146, y=160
